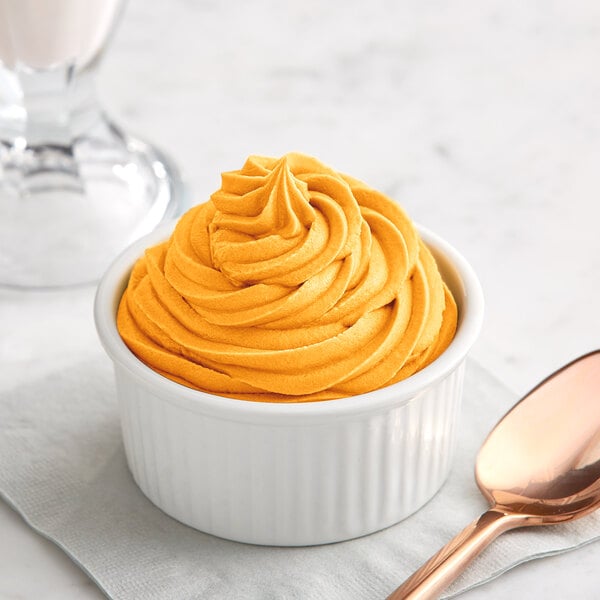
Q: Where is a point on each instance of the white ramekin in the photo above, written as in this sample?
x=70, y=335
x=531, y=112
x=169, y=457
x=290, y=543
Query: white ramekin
x=291, y=474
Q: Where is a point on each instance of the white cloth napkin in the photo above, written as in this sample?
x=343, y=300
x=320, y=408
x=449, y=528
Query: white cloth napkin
x=62, y=466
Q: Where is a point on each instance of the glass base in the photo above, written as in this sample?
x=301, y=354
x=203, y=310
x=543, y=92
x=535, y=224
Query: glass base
x=67, y=211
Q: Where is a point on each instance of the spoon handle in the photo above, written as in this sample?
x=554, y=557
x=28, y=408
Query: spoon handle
x=442, y=568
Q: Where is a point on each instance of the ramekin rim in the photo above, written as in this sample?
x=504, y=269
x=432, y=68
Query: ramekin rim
x=394, y=395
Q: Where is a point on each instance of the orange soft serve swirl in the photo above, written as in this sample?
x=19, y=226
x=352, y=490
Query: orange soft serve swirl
x=293, y=283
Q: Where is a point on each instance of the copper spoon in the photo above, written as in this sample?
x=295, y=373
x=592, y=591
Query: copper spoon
x=540, y=465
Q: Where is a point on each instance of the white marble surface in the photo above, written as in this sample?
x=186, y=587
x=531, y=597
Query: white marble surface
x=480, y=117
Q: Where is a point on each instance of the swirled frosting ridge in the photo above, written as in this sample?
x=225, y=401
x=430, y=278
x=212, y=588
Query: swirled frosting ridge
x=293, y=283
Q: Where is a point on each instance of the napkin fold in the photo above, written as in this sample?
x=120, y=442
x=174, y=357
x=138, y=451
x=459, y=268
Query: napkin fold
x=63, y=468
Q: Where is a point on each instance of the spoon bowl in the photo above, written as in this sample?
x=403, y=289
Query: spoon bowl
x=540, y=465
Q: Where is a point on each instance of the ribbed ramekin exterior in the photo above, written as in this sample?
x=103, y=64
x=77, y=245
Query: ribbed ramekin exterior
x=291, y=474
x=293, y=484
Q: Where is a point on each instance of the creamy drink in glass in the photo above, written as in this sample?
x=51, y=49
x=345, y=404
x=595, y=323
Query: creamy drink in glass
x=74, y=188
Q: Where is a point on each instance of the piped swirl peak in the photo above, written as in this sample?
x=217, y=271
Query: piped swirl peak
x=261, y=205
x=293, y=283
